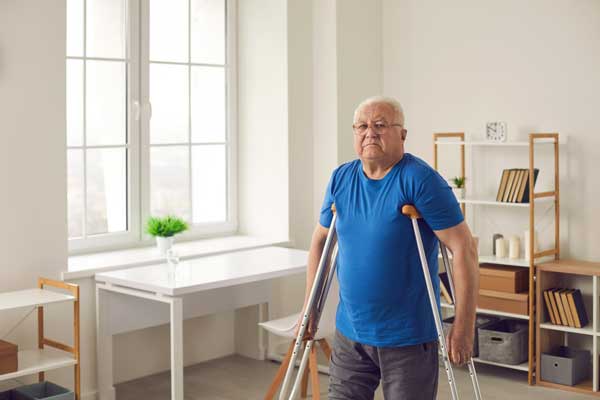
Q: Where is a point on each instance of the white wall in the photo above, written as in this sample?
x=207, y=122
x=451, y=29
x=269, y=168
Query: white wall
x=534, y=64
x=32, y=155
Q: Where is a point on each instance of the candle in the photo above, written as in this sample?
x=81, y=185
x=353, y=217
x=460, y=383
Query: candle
x=496, y=236
x=513, y=247
x=526, y=241
x=500, y=248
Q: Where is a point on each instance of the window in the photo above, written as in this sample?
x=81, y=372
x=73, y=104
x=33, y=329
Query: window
x=150, y=95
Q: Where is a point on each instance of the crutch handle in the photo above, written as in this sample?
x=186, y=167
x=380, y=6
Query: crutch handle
x=410, y=211
x=333, y=208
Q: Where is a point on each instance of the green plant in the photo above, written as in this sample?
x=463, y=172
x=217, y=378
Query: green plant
x=459, y=181
x=165, y=227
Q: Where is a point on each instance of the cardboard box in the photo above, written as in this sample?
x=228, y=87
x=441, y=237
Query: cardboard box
x=503, y=278
x=8, y=357
x=516, y=303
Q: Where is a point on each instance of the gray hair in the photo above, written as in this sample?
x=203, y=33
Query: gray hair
x=390, y=101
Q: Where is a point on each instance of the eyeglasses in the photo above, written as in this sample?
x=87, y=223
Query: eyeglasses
x=379, y=128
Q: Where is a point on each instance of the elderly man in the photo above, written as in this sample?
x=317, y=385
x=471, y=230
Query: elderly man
x=384, y=327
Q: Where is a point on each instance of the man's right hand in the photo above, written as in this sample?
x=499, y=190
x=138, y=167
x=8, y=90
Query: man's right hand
x=309, y=333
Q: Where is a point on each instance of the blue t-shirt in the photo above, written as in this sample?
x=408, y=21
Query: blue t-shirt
x=383, y=297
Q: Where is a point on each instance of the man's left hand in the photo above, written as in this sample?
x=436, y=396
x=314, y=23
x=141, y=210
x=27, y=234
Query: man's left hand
x=460, y=344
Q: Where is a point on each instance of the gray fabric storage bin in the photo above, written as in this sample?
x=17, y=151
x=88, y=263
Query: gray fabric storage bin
x=504, y=341
x=566, y=366
x=43, y=390
x=481, y=321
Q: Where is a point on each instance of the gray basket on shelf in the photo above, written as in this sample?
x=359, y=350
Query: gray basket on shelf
x=504, y=341
x=566, y=366
x=481, y=321
x=43, y=390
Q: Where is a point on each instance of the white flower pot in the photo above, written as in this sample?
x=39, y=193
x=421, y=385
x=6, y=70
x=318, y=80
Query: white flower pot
x=164, y=244
x=459, y=193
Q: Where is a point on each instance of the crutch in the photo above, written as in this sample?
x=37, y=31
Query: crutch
x=316, y=302
x=414, y=216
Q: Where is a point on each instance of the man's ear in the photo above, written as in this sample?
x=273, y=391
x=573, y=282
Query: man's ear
x=404, y=132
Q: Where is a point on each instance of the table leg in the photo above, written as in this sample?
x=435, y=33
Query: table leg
x=176, y=349
x=104, y=347
x=263, y=336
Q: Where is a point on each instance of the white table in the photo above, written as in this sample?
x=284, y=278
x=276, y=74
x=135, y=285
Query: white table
x=153, y=295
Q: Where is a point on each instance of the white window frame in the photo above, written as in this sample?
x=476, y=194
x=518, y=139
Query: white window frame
x=139, y=112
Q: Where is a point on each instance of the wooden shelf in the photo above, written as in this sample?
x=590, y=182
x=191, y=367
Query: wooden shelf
x=490, y=312
x=583, y=387
x=40, y=360
x=521, y=367
x=31, y=298
x=582, y=331
x=491, y=202
x=568, y=266
x=491, y=144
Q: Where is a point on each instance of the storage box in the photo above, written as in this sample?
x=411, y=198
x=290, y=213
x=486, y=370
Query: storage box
x=481, y=321
x=516, y=303
x=566, y=366
x=43, y=390
x=9, y=361
x=504, y=341
x=503, y=278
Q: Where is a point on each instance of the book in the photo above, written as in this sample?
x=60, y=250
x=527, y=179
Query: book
x=444, y=285
x=554, y=306
x=509, y=184
x=573, y=309
x=516, y=186
x=563, y=297
x=581, y=314
x=523, y=186
x=559, y=305
x=549, y=307
x=525, y=198
x=502, y=187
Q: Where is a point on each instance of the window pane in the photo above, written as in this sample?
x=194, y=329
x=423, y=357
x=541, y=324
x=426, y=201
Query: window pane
x=106, y=28
x=75, y=28
x=208, y=31
x=74, y=102
x=169, y=181
x=106, y=103
x=75, y=192
x=169, y=94
x=169, y=30
x=106, y=190
x=208, y=104
x=209, y=174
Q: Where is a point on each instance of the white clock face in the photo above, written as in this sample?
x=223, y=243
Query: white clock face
x=495, y=131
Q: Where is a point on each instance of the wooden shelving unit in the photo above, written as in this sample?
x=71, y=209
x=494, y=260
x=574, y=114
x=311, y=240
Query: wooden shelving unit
x=443, y=140
x=50, y=354
x=554, y=274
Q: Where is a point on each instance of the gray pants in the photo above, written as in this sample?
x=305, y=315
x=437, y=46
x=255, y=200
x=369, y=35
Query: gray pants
x=406, y=373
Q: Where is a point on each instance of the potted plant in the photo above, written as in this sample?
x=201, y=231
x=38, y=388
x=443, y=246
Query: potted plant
x=164, y=229
x=459, y=187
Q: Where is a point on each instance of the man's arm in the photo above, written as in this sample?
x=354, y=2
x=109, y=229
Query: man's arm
x=461, y=244
x=314, y=255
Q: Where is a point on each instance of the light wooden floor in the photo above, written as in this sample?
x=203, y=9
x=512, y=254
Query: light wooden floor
x=239, y=378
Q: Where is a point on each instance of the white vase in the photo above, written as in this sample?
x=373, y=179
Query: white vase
x=164, y=244
x=459, y=193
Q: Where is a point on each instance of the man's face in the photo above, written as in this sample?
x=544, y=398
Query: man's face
x=378, y=142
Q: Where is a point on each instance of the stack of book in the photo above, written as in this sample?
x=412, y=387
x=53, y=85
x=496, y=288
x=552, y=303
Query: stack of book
x=565, y=307
x=514, y=185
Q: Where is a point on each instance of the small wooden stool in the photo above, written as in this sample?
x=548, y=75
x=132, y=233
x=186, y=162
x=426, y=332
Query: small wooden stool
x=312, y=369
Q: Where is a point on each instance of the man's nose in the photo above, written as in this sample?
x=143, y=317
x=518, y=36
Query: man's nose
x=370, y=132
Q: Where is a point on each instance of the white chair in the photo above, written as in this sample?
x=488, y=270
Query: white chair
x=286, y=327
